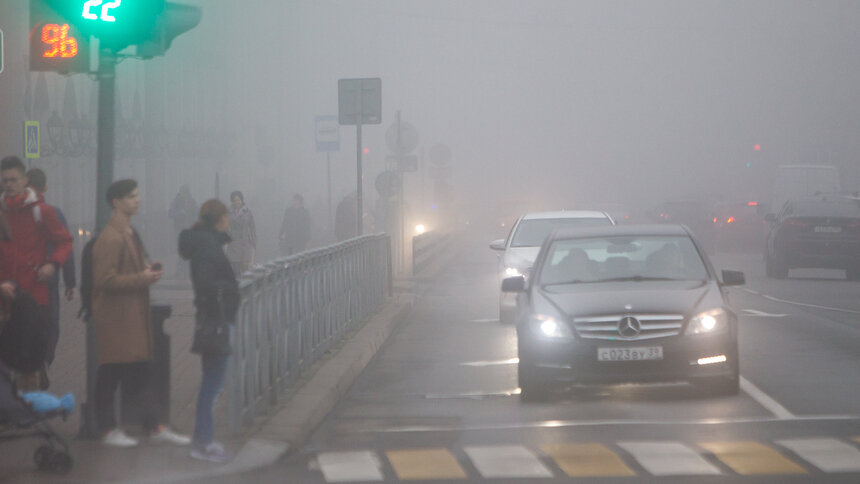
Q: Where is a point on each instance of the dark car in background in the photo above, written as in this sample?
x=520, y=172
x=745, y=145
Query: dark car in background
x=814, y=232
x=697, y=215
x=621, y=304
x=739, y=225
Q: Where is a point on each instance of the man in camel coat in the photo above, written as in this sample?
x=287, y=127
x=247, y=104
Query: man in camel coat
x=120, y=309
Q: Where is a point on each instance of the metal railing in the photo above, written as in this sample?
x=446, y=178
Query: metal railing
x=427, y=247
x=293, y=310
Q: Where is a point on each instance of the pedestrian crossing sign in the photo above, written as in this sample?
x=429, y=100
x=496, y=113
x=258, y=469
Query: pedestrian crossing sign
x=32, y=139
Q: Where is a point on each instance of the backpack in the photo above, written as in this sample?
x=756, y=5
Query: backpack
x=86, y=287
x=25, y=337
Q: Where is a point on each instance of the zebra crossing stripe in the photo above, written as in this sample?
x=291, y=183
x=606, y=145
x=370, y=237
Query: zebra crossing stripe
x=669, y=458
x=350, y=466
x=829, y=455
x=507, y=461
x=425, y=464
x=752, y=458
x=587, y=460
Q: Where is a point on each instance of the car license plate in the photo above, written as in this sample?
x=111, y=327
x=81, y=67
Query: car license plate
x=828, y=229
x=633, y=353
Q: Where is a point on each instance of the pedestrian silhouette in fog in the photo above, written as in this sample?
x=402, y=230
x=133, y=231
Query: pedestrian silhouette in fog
x=345, y=222
x=295, y=228
x=242, y=250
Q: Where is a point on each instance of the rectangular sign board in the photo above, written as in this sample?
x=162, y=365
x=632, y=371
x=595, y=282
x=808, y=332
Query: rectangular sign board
x=327, y=133
x=32, y=139
x=359, y=101
x=404, y=163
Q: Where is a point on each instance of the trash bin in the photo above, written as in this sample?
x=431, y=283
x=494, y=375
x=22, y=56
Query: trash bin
x=160, y=377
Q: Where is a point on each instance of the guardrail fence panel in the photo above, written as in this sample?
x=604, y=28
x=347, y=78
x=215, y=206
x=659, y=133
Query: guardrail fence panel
x=293, y=310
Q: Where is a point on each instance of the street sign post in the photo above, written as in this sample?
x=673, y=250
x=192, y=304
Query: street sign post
x=1, y=50
x=327, y=135
x=32, y=139
x=359, y=101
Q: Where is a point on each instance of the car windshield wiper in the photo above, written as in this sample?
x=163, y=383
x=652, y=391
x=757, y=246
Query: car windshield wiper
x=574, y=281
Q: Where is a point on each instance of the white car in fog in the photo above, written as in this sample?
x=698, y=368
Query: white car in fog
x=517, y=253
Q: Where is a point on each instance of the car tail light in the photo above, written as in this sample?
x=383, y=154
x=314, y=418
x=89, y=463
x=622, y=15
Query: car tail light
x=730, y=220
x=715, y=219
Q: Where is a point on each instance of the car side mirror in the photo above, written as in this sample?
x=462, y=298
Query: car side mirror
x=498, y=244
x=514, y=284
x=733, y=278
x=770, y=218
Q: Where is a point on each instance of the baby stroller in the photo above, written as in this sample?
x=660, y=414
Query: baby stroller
x=18, y=420
x=21, y=340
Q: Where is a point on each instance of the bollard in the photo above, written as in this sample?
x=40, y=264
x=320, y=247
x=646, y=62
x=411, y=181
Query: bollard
x=160, y=377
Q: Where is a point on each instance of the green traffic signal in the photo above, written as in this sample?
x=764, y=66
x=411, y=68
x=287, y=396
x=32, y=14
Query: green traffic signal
x=116, y=23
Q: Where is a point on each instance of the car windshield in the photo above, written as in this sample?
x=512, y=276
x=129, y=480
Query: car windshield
x=827, y=208
x=532, y=233
x=634, y=258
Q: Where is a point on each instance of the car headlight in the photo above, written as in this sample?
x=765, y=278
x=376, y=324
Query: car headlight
x=549, y=327
x=512, y=272
x=708, y=322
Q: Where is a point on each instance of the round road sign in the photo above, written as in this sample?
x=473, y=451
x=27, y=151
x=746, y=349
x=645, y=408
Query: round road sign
x=407, y=140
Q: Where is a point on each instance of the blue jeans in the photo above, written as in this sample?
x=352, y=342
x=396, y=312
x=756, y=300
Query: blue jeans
x=214, y=372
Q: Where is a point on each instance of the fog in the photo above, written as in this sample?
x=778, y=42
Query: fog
x=545, y=104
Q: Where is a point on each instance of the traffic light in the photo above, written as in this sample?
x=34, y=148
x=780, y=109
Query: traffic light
x=60, y=29
x=174, y=20
x=116, y=23
x=56, y=44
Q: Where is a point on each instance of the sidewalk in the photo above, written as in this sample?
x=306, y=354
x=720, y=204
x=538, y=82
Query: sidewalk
x=299, y=412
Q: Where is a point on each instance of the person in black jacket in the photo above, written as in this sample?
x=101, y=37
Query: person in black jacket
x=216, y=297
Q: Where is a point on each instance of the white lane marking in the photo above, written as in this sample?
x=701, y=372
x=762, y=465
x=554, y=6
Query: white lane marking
x=669, y=458
x=766, y=401
x=829, y=455
x=489, y=320
x=506, y=461
x=807, y=305
x=472, y=395
x=755, y=312
x=547, y=424
x=350, y=466
x=509, y=361
x=750, y=291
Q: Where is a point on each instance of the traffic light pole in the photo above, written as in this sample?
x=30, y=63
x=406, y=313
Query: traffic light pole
x=106, y=127
x=106, y=130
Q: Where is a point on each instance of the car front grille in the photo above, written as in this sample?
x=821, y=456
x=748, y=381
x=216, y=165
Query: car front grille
x=607, y=327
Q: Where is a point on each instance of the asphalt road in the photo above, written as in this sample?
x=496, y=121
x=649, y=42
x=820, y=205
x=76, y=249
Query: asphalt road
x=440, y=400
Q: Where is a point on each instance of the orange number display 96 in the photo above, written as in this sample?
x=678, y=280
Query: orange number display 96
x=57, y=41
x=56, y=44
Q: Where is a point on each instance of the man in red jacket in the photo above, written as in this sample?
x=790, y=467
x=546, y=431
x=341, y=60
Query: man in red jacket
x=39, y=243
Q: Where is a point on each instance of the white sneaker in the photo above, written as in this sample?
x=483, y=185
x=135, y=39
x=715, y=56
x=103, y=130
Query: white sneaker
x=165, y=435
x=213, y=452
x=118, y=438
